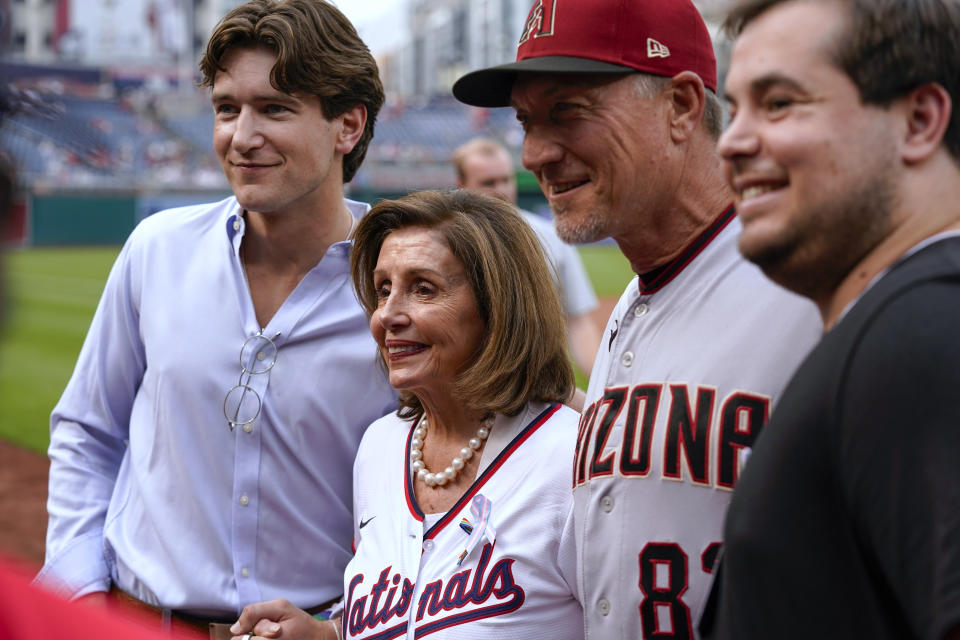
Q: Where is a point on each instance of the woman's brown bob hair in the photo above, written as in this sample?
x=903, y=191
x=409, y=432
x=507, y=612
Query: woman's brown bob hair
x=523, y=357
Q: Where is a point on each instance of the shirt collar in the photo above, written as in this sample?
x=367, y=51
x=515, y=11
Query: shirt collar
x=236, y=223
x=923, y=244
x=661, y=276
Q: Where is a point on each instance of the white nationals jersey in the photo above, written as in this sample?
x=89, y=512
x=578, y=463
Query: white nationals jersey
x=405, y=581
x=685, y=377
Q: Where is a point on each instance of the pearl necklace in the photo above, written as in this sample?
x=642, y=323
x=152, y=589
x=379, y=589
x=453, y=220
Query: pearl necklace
x=450, y=473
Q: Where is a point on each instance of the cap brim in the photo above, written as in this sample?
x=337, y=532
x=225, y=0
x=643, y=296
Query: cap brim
x=491, y=87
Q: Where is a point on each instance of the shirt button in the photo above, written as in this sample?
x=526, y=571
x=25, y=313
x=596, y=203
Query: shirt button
x=641, y=309
x=248, y=428
x=245, y=572
x=606, y=503
x=236, y=224
x=261, y=355
x=428, y=545
x=603, y=606
x=244, y=501
x=627, y=358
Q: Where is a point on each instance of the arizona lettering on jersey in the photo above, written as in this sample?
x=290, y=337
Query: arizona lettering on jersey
x=690, y=419
x=687, y=376
x=500, y=562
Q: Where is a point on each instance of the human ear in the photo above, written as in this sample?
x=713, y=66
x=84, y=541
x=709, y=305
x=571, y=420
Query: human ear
x=352, y=123
x=927, y=110
x=687, y=102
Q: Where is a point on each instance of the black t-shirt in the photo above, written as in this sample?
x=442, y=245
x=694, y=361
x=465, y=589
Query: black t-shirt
x=846, y=520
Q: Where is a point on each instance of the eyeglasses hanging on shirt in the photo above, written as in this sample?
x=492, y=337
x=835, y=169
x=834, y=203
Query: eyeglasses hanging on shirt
x=242, y=404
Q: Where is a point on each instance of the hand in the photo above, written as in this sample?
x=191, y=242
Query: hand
x=280, y=618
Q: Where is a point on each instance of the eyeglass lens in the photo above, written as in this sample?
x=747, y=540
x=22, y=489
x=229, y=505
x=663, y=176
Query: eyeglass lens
x=242, y=404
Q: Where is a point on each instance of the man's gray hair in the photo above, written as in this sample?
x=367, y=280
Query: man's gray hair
x=648, y=86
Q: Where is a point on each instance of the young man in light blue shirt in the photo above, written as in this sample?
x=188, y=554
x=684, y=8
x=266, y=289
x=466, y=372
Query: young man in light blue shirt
x=201, y=454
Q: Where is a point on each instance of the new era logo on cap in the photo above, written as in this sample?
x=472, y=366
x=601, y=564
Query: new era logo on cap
x=660, y=37
x=656, y=50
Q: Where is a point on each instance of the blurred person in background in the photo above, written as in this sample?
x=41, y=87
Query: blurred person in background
x=621, y=120
x=462, y=507
x=485, y=165
x=205, y=439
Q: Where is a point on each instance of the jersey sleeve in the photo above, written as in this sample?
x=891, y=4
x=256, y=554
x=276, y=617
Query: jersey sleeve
x=368, y=460
x=89, y=428
x=899, y=452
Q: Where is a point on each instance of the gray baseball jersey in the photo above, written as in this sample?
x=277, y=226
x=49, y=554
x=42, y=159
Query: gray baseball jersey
x=509, y=572
x=689, y=367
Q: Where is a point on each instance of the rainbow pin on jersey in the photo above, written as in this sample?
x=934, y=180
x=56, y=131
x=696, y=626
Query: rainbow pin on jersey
x=480, y=508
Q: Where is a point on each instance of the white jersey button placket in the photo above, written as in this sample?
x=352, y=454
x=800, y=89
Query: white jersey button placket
x=606, y=503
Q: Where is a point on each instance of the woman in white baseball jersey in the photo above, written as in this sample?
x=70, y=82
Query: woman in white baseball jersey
x=462, y=500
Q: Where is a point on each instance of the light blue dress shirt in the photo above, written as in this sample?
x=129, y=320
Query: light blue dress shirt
x=149, y=487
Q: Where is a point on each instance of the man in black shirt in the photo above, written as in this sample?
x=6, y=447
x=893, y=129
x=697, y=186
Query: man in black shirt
x=844, y=151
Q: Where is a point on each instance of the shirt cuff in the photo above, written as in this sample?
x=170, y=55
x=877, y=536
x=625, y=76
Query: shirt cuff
x=77, y=570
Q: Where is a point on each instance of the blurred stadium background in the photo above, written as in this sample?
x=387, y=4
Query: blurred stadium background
x=105, y=126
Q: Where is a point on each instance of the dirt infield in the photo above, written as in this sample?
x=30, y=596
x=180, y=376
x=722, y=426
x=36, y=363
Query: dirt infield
x=23, y=491
x=23, y=497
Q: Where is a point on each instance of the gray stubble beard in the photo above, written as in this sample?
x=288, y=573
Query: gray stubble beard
x=589, y=229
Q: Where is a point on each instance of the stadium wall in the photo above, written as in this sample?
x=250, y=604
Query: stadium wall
x=80, y=220
x=66, y=218
x=84, y=218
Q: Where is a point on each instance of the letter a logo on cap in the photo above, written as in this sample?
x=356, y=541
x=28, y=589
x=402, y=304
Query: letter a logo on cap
x=539, y=21
x=656, y=50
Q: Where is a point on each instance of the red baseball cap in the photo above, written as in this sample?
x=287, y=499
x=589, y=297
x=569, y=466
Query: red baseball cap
x=661, y=37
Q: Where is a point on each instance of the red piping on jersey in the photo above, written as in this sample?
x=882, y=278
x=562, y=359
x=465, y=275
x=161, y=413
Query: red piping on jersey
x=487, y=473
x=408, y=480
x=672, y=269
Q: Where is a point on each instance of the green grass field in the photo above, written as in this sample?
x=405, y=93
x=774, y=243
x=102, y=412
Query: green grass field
x=51, y=297
x=609, y=270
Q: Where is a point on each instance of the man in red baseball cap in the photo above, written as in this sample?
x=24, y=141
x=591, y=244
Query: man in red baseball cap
x=621, y=122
